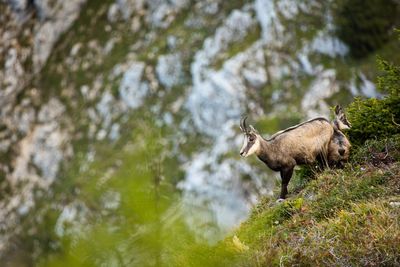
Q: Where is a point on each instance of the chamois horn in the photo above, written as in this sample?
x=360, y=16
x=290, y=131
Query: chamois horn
x=243, y=125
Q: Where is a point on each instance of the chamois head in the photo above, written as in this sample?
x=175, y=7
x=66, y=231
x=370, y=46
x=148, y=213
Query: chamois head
x=251, y=142
x=341, y=121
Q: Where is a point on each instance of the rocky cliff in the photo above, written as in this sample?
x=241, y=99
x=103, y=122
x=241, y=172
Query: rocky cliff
x=75, y=74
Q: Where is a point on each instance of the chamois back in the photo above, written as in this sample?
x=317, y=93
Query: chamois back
x=307, y=123
x=305, y=141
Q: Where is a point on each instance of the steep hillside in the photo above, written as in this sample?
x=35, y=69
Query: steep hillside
x=346, y=217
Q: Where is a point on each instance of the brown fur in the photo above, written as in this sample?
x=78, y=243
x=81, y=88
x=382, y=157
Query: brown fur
x=294, y=127
x=339, y=150
x=297, y=145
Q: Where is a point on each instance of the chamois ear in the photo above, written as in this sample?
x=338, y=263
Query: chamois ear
x=341, y=118
x=338, y=110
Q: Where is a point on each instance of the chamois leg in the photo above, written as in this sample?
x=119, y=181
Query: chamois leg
x=286, y=174
x=322, y=162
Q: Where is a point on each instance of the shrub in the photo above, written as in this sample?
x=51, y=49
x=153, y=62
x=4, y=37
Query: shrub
x=375, y=118
x=364, y=26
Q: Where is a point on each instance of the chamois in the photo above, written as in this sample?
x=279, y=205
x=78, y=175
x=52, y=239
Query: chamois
x=297, y=145
x=339, y=147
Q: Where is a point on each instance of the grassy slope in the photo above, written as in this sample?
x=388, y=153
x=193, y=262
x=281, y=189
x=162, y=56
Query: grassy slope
x=346, y=217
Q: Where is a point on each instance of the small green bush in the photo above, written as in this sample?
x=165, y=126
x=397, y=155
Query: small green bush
x=376, y=118
x=364, y=26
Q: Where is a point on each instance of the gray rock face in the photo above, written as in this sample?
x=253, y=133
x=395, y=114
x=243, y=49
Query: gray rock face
x=33, y=140
x=50, y=112
x=109, y=108
x=46, y=145
x=217, y=96
x=162, y=13
x=132, y=90
x=323, y=87
x=11, y=78
x=72, y=220
x=43, y=144
x=124, y=9
x=19, y=6
x=41, y=152
x=57, y=17
x=216, y=102
x=23, y=117
x=158, y=13
x=169, y=70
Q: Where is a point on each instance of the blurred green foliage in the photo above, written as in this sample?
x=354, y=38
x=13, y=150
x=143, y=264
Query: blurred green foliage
x=145, y=228
x=376, y=118
x=364, y=25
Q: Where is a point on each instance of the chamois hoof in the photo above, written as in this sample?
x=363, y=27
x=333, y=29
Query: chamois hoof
x=280, y=200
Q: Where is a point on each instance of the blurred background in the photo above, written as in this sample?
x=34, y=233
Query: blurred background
x=119, y=134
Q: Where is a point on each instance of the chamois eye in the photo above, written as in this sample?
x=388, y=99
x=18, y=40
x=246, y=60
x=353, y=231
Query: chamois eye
x=251, y=138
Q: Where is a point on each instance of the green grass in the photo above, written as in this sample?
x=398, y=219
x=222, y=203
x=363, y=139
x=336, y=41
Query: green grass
x=338, y=204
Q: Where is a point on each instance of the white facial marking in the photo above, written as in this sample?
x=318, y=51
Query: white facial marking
x=254, y=148
x=244, y=147
x=343, y=126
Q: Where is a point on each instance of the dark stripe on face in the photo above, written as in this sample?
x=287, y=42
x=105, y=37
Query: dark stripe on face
x=250, y=140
